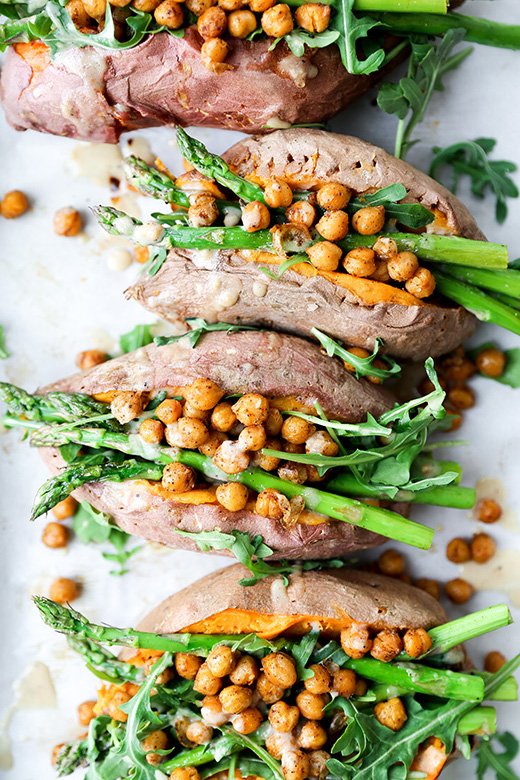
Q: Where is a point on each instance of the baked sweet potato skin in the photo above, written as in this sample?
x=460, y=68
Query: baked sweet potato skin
x=188, y=286
x=372, y=599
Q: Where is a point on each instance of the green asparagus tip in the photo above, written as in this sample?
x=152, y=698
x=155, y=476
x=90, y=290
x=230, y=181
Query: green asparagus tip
x=58, y=616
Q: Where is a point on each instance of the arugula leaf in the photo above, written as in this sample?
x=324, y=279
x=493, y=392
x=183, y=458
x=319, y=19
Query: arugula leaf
x=138, y=337
x=4, y=353
x=511, y=373
x=155, y=262
x=362, y=366
x=283, y=267
x=198, y=327
x=299, y=38
x=470, y=158
x=91, y=525
x=352, y=744
x=413, y=215
x=498, y=762
x=351, y=29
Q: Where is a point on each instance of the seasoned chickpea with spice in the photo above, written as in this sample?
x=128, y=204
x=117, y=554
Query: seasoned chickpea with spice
x=55, y=536
x=277, y=193
x=186, y=432
x=198, y=414
x=386, y=645
x=391, y=562
x=187, y=665
x=321, y=680
x=151, y=431
x=344, y=682
x=421, y=284
x=369, y=220
x=491, y=362
x=457, y=367
x=312, y=735
x=267, y=462
x=66, y=508
x=488, y=510
x=313, y=17
x=248, y=720
x=199, y=732
x=127, y=405
x=212, y=443
x=231, y=5
x=235, y=698
x=178, y=478
x=360, y=261
x=416, y=642
x=301, y=212
x=223, y=418
x=213, y=53
x=120, y=697
x=297, y=430
x=67, y=222
x=203, y=210
x=184, y=773
x=203, y=394
x=311, y=705
x=458, y=550
x=323, y=443
x=233, y=496
x=14, y=204
x=318, y=764
x=385, y=248
x=86, y=712
x=283, y=717
x=277, y=21
x=169, y=411
x=333, y=196
x=430, y=586
x=458, y=590
x=483, y=548
x=333, y=225
x=251, y=409
x=295, y=764
x=252, y=438
x=146, y=5
x=325, y=255
x=355, y=640
x=211, y=711
x=245, y=671
x=255, y=216
x=403, y=266
x=241, y=24
x=273, y=423
x=391, y=713
x=212, y=23
x=271, y=503
x=157, y=740
x=381, y=273
x=494, y=661
x=280, y=669
x=259, y=6
x=293, y=472
x=268, y=691
x=231, y=458
x=64, y=590
x=206, y=682
x=221, y=660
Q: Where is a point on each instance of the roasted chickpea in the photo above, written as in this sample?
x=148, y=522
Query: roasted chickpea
x=267, y=462
x=386, y=645
x=318, y=764
x=293, y=472
x=297, y=430
x=141, y=253
x=333, y=225
x=344, y=682
x=64, y=590
x=221, y=660
x=157, y=740
x=255, y=216
x=295, y=764
x=245, y=671
x=127, y=405
x=203, y=210
x=55, y=536
x=178, y=478
x=120, y=697
x=91, y=357
x=491, y=362
x=267, y=690
x=391, y=562
x=199, y=732
x=391, y=713
x=164, y=677
x=14, y=204
x=324, y=255
x=277, y=193
x=277, y=22
x=458, y=590
x=301, y=212
x=357, y=352
x=483, y=548
x=416, y=642
x=251, y=409
x=241, y=24
x=198, y=7
x=231, y=458
x=76, y=11
x=430, y=586
x=488, y=510
x=369, y=220
x=311, y=705
x=212, y=23
x=283, y=717
x=271, y=503
x=148, y=6
x=333, y=196
x=252, y=438
x=203, y=394
x=169, y=14
x=206, y=682
x=185, y=773
x=86, y=712
x=231, y=5
x=223, y=418
x=360, y=261
x=381, y=273
x=455, y=419
x=187, y=432
x=212, y=443
x=235, y=698
x=273, y=423
x=277, y=743
x=403, y=266
x=322, y=442
x=280, y=669
x=96, y=9
x=187, y=665
x=320, y=682
x=169, y=411
x=355, y=640
x=312, y=735
x=313, y=17
x=456, y=367
x=233, y=496
x=458, y=550
x=152, y=431
x=67, y=222
x=211, y=711
x=385, y=248
x=213, y=53
x=461, y=397
x=248, y=720
x=421, y=284
x=259, y=6
x=494, y=661
x=65, y=508
x=198, y=414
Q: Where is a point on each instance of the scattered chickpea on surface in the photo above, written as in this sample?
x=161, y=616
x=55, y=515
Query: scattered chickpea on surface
x=55, y=536
x=491, y=362
x=458, y=550
x=458, y=590
x=483, y=548
x=14, y=204
x=488, y=511
x=64, y=590
x=67, y=222
x=494, y=661
x=461, y=397
x=430, y=586
x=391, y=562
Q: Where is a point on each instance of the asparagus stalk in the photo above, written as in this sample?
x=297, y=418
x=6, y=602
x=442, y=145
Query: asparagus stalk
x=449, y=495
x=506, y=282
x=481, y=721
x=194, y=757
x=103, y=664
x=468, y=627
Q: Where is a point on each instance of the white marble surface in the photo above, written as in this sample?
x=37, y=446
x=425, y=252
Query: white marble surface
x=58, y=296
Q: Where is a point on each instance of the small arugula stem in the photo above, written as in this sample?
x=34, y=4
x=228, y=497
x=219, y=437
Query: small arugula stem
x=481, y=721
x=452, y=496
x=468, y=627
x=485, y=307
x=484, y=31
x=195, y=757
x=244, y=741
x=506, y=282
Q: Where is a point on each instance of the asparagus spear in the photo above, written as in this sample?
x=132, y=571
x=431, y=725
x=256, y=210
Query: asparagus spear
x=103, y=663
x=506, y=282
x=448, y=495
x=65, y=407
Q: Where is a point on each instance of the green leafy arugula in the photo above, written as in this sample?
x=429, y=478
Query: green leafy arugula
x=156, y=260
x=351, y=30
x=283, y=267
x=138, y=337
x=4, y=352
x=198, y=327
x=497, y=762
x=410, y=97
x=251, y=551
x=299, y=38
x=511, y=373
x=471, y=158
x=91, y=525
x=413, y=215
x=362, y=366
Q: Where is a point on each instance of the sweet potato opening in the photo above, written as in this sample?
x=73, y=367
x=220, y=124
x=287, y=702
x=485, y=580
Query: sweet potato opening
x=430, y=759
x=36, y=54
x=241, y=621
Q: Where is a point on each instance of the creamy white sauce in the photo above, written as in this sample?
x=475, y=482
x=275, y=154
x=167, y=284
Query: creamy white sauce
x=277, y=124
x=259, y=289
x=279, y=595
x=232, y=218
x=148, y=233
x=124, y=225
x=139, y=147
x=119, y=259
x=502, y=572
x=100, y=163
x=205, y=258
x=297, y=69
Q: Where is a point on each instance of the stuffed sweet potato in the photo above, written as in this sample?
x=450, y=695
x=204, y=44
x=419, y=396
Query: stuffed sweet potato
x=334, y=674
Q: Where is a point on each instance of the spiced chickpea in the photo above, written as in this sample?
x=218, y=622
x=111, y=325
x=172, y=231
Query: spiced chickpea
x=494, y=661
x=267, y=462
x=198, y=7
x=252, y=438
x=157, y=740
x=126, y=405
x=277, y=22
x=311, y=705
x=283, y=717
x=255, y=216
x=211, y=711
x=381, y=273
x=416, y=642
x=277, y=193
x=233, y=496
x=221, y=660
x=430, y=586
x=186, y=432
x=312, y=736
x=141, y=254
x=333, y=225
x=259, y=6
x=276, y=744
x=403, y=266
x=271, y=503
x=212, y=443
x=65, y=508
x=488, y=511
x=178, y=478
x=231, y=458
x=223, y=417
x=251, y=409
x=457, y=367
x=147, y=6
x=248, y=720
x=203, y=394
x=55, y=536
x=461, y=397
x=333, y=196
x=297, y=430
x=86, y=712
x=421, y=284
x=187, y=665
x=295, y=764
x=483, y=548
x=119, y=697
x=318, y=764
x=289, y=446
x=14, y=204
x=313, y=17
x=203, y=210
x=90, y=358
x=455, y=419
x=184, y=773
x=245, y=672
x=323, y=443
x=301, y=212
x=151, y=431
x=165, y=677
x=391, y=562
x=293, y=472
x=386, y=645
x=385, y=248
x=199, y=732
x=241, y=24
x=458, y=550
x=206, y=683
x=64, y=590
x=212, y=23
x=235, y=698
x=280, y=669
x=96, y=9
x=268, y=691
x=231, y=5
x=391, y=713
x=361, y=687
x=169, y=411
x=67, y=222
x=197, y=414
x=360, y=261
x=344, y=682
x=324, y=255
x=213, y=53
x=357, y=352
x=491, y=362
x=355, y=640
x=273, y=423
x=369, y=220
x=458, y=590
x=321, y=680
